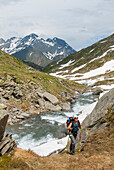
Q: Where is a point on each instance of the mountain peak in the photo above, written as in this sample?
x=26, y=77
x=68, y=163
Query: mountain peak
x=32, y=35
x=2, y=41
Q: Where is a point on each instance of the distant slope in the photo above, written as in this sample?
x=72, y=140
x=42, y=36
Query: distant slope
x=35, y=49
x=94, y=64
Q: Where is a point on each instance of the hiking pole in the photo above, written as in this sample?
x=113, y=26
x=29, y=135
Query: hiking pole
x=80, y=142
x=67, y=141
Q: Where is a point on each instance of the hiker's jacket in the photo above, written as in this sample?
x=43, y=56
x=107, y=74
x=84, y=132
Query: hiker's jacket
x=75, y=127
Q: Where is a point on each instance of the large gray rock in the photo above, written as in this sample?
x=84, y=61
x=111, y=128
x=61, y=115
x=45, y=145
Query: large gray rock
x=53, y=99
x=93, y=122
x=3, y=121
x=41, y=102
x=66, y=106
x=50, y=106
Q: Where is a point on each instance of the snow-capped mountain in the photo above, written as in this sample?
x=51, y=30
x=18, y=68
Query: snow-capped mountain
x=35, y=49
x=92, y=66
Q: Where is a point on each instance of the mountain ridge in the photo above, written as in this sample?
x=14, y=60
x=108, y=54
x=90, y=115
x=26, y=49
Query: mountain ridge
x=32, y=46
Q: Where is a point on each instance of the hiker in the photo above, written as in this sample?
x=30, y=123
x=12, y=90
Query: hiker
x=73, y=129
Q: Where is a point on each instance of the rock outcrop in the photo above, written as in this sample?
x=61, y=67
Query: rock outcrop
x=95, y=121
x=6, y=142
x=3, y=120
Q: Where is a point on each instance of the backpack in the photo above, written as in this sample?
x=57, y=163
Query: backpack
x=71, y=119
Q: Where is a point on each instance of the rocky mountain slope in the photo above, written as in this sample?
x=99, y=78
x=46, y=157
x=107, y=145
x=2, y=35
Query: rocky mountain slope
x=37, y=50
x=25, y=90
x=93, y=65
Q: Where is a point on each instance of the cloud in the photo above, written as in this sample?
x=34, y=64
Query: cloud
x=79, y=22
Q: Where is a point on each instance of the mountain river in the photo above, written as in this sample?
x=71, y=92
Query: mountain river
x=39, y=132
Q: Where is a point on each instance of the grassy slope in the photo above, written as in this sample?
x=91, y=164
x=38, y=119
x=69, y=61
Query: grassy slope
x=12, y=65
x=98, y=153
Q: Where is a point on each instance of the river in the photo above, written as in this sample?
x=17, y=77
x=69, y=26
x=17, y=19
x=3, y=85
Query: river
x=41, y=131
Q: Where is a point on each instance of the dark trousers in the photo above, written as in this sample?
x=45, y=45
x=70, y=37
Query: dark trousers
x=73, y=142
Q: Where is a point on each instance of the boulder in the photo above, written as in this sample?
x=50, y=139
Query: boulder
x=97, y=90
x=66, y=106
x=53, y=99
x=50, y=106
x=7, y=144
x=40, y=94
x=3, y=121
x=41, y=102
x=25, y=115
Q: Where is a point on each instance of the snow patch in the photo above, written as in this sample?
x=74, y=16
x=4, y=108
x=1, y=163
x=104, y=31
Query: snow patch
x=91, y=51
x=66, y=65
x=51, y=56
x=51, y=146
x=107, y=67
x=77, y=68
x=49, y=43
x=103, y=41
x=86, y=111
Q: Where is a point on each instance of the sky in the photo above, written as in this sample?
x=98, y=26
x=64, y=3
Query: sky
x=79, y=22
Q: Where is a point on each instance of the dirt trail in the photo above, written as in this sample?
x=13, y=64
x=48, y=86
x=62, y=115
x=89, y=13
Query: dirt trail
x=97, y=154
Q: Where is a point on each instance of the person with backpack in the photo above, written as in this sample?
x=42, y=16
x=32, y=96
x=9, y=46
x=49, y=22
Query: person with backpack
x=73, y=128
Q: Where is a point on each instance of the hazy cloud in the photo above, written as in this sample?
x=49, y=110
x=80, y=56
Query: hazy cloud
x=79, y=22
